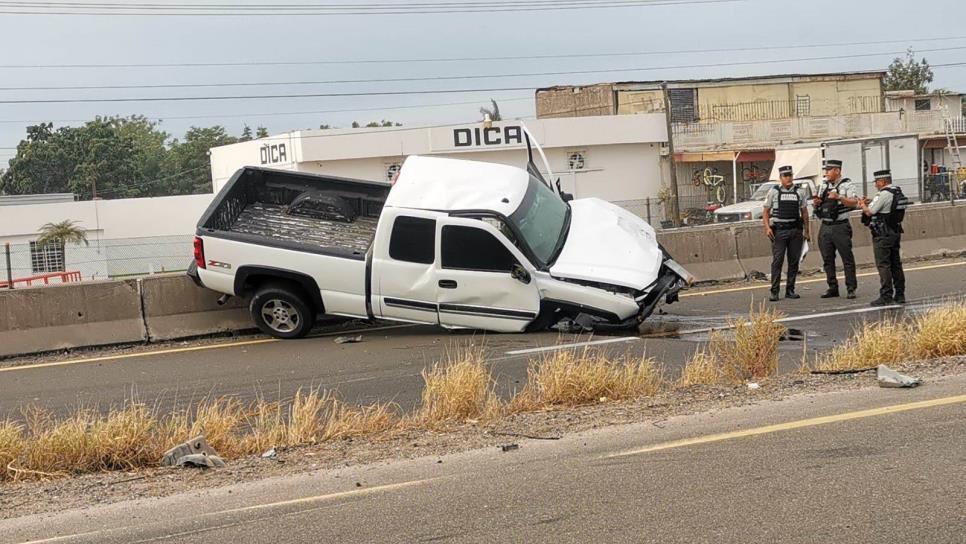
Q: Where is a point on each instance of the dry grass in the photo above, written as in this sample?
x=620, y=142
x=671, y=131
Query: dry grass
x=457, y=390
x=11, y=443
x=569, y=378
x=871, y=344
x=753, y=351
x=941, y=332
x=701, y=369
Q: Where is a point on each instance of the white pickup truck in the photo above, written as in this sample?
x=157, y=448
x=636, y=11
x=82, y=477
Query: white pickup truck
x=456, y=243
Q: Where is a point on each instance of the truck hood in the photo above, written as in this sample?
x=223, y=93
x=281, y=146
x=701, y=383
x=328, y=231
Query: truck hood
x=608, y=244
x=742, y=207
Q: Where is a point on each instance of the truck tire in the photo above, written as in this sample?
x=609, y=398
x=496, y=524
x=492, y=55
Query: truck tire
x=281, y=311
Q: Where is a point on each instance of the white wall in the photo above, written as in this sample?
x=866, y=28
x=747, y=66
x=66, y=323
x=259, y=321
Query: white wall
x=126, y=236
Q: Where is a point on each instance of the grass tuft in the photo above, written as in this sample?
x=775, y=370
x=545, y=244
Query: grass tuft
x=701, y=369
x=941, y=332
x=569, y=378
x=11, y=444
x=458, y=390
x=870, y=345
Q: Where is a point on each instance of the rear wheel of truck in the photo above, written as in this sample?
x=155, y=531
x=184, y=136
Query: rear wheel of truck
x=282, y=312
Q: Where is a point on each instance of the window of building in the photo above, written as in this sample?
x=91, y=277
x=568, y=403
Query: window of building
x=803, y=106
x=682, y=105
x=467, y=248
x=923, y=104
x=47, y=258
x=413, y=240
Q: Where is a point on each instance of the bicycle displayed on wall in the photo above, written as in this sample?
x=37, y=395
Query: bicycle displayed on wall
x=712, y=181
x=754, y=174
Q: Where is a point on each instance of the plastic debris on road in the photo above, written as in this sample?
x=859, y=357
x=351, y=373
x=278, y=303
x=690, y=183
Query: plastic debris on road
x=270, y=454
x=348, y=339
x=193, y=453
x=753, y=385
x=890, y=378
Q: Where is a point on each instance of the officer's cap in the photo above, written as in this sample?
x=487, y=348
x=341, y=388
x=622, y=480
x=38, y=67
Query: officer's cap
x=832, y=163
x=784, y=170
x=883, y=174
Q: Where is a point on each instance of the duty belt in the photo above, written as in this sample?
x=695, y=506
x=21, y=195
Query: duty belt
x=839, y=222
x=784, y=226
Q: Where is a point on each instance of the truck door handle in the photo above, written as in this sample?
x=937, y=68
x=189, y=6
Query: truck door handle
x=447, y=284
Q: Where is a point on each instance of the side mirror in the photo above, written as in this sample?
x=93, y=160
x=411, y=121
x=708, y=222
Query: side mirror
x=520, y=274
x=566, y=197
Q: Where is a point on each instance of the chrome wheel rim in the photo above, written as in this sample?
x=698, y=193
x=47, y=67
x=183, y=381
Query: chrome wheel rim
x=280, y=316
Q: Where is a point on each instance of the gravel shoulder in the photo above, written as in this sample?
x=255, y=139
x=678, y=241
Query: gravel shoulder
x=25, y=498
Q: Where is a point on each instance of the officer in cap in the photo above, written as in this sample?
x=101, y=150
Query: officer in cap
x=786, y=224
x=836, y=196
x=884, y=216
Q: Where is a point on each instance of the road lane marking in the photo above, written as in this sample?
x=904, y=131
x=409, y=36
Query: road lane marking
x=791, y=319
x=122, y=356
x=792, y=425
x=256, y=507
x=559, y=347
x=815, y=280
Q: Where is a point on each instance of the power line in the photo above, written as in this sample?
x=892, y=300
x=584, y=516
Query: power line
x=156, y=117
x=167, y=10
x=455, y=91
x=471, y=59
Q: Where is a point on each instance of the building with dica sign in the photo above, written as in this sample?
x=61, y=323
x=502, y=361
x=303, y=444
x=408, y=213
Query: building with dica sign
x=617, y=158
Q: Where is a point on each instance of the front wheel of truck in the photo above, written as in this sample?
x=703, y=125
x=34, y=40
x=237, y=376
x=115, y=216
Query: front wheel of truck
x=281, y=312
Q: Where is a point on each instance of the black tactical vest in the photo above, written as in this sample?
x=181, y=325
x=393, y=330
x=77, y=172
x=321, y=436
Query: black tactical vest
x=832, y=209
x=789, y=205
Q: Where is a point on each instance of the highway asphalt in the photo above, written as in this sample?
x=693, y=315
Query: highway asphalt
x=869, y=465
x=387, y=364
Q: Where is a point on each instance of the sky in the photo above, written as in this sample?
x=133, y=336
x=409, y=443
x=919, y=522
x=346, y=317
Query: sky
x=633, y=43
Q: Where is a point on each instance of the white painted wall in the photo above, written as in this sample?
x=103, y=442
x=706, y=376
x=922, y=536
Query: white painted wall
x=126, y=236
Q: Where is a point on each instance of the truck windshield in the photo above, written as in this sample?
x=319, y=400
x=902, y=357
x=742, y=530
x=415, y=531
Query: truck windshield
x=762, y=191
x=542, y=220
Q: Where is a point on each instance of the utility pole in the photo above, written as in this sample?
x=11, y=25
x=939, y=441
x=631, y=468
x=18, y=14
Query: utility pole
x=674, y=208
x=9, y=269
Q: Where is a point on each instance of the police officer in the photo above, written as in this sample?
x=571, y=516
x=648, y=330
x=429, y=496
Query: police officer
x=836, y=196
x=885, y=214
x=786, y=224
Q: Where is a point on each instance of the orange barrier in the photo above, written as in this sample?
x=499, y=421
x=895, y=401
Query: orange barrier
x=65, y=277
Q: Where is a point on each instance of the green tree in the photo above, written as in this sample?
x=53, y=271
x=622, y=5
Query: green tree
x=62, y=233
x=261, y=132
x=908, y=74
x=324, y=127
x=188, y=166
x=117, y=157
x=246, y=135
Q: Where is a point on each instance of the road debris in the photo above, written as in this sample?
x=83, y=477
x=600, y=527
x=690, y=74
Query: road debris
x=753, y=386
x=270, y=454
x=193, y=453
x=348, y=339
x=509, y=447
x=890, y=378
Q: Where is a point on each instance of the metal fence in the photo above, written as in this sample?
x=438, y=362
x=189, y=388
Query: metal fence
x=31, y=264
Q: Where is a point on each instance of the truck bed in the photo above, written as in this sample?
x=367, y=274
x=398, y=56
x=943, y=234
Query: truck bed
x=263, y=206
x=271, y=221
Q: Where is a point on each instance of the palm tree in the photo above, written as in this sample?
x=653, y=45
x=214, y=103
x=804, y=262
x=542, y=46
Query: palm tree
x=62, y=233
x=493, y=112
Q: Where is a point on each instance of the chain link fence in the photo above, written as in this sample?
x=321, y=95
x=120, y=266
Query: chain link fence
x=32, y=264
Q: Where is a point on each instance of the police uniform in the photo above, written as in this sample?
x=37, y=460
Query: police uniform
x=785, y=207
x=886, y=238
x=835, y=234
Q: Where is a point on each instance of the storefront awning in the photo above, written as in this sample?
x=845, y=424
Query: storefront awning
x=805, y=162
x=713, y=156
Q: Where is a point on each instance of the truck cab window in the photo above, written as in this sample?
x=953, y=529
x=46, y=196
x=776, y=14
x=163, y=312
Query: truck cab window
x=468, y=248
x=413, y=240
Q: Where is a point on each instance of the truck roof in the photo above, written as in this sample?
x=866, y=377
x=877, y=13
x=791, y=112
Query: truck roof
x=436, y=183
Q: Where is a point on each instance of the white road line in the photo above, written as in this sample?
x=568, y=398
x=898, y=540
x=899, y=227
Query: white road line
x=792, y=319
x=559, y=347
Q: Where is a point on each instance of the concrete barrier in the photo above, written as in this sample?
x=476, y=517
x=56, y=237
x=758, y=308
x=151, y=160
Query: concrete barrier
x=69, y=316
x=708, y=252
x=169, y=307
x=174, y=307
